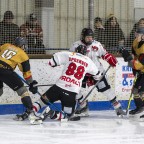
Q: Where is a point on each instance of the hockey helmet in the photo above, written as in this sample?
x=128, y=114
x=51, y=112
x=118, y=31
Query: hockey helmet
x=20, y=42
x=81, y=49
x=87, y=32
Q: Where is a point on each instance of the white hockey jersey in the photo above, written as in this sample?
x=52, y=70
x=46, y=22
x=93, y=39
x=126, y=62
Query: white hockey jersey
x=94, y=52
x=75, y=67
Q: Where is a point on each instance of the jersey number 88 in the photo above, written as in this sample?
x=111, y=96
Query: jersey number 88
x=79, y=71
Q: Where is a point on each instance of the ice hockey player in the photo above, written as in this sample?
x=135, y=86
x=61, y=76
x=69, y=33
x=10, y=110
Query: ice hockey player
x=76, y=65
x=95, y=51
x=11, y=56
x=136, y=61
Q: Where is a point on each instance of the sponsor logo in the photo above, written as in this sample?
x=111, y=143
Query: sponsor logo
x=70, y=80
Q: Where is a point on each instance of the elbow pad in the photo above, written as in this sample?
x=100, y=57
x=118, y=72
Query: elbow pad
x=52, y=62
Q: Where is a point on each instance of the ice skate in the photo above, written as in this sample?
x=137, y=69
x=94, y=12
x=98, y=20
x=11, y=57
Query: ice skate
x=137, y=114
x=46, y=113
x=136, y=111
x=34, y=118
x=22, y=117
x=83, y=111
x=120, y=112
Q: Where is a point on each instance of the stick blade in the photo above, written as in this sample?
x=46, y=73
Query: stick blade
x=75, y=118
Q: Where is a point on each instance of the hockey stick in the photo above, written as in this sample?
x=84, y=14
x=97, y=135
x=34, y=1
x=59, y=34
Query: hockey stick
x=78, y=117
x=129, y=102
x=75, y=118
x=130, y=98
x=41, y=95
x=96, y=84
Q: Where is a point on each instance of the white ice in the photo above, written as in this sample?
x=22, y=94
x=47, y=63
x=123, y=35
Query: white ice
x=101, y=127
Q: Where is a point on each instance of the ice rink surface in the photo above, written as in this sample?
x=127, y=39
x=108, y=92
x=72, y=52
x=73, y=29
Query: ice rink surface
x=101, y=127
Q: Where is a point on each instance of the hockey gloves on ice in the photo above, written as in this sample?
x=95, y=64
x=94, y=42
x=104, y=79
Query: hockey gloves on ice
x=33, y=87
x=110, y=59
x=125, y=54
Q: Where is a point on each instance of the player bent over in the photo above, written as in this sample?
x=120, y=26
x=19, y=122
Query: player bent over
x=95, y=51
x=76, y=65
x=12, y=55
x=137, y=63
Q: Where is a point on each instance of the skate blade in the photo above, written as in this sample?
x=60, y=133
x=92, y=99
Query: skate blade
x=82, y=115
x=36, y=122
x=120, y=116
x=137, y=117
x=141, y=119
x=17, y=119
x=64, y=120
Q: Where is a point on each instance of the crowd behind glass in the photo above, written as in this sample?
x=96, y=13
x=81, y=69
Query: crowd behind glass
x=108, y=32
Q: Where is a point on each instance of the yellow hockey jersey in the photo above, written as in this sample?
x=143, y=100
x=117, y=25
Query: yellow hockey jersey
x=14, y=56
x=139, y=55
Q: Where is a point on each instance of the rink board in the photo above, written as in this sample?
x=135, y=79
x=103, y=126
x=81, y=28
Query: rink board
x=120, y=79
x=101, y=105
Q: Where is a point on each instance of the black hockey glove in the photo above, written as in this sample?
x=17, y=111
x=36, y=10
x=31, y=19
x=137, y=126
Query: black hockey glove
x=33, y=87
x=125, y=54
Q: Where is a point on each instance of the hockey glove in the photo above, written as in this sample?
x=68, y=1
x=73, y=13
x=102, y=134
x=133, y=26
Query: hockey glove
x=125, y=54
x=110, y=59
x=33, y=87
x=90, y=81
x=97, y=76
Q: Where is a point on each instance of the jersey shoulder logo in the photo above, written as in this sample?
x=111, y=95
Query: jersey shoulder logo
x=94, y=48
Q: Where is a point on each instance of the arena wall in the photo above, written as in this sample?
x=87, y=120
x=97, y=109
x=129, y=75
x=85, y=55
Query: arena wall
x=120, y=78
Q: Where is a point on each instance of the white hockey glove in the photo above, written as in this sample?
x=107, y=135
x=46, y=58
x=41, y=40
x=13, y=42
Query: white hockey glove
x=97, y=76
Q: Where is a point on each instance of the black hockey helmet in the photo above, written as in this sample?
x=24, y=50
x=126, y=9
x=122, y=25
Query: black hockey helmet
x=81, y=49
x=140, y=30
x=20, y=42
x=87, y=32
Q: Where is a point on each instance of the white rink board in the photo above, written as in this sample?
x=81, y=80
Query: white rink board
x=45, y=74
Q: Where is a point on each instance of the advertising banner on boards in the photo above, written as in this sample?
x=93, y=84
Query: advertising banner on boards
x=123, y=79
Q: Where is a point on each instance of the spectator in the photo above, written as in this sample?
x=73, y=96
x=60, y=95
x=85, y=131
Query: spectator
x=34, y=34
x=139, y=24
x=113, y=34
x=99, y=30
x=8, y=30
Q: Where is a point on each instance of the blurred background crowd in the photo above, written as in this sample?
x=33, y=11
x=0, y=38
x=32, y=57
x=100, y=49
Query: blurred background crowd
x=53, y=25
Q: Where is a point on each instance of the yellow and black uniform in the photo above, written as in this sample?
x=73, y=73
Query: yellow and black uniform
x=138, y=66
x=138, y=51
x=12, y=56
x=137, y=63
